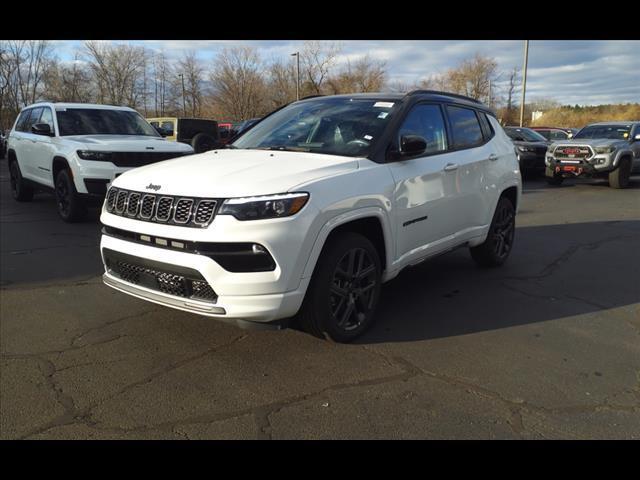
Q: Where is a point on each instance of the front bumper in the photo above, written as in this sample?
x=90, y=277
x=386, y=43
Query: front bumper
x=530, y=161
x=576, y=168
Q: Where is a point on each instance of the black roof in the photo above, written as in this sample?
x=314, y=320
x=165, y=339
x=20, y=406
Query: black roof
x=421, y=94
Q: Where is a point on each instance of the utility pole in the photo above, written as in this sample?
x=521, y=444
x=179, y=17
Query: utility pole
x=524, y=79
x=297, y=55
x=184, y=105
x=489, y=93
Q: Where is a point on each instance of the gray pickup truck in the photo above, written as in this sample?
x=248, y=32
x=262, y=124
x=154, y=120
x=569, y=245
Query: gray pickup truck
x=603, y=150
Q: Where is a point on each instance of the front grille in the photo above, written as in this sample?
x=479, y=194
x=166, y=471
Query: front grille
x=168, y=279
x=577, y=152
x=189, y=212
x=138, y=159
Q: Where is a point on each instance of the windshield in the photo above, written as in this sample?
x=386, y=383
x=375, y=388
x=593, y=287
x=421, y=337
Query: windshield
x=98, y=121
x=524, y=135
x=617, y=132
x=335, y=126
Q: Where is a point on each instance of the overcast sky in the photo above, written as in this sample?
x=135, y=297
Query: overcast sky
x=571, y=72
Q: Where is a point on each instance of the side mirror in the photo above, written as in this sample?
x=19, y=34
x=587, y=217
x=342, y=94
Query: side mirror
x=569, y=135
x=636, y=137
x=42, y=129
x=412, y=145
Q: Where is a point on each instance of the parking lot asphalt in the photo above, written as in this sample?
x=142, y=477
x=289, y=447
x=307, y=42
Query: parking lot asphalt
x=548, y=346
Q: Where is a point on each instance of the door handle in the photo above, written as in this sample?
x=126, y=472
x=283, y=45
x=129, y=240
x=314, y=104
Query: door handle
x=450, y=167
x=493, y=157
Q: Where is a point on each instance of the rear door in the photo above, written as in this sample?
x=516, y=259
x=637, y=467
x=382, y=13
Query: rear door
x=475, y=160
x=27, y=145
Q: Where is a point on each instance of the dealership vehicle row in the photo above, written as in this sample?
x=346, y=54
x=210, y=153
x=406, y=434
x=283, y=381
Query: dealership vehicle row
x=305, y=213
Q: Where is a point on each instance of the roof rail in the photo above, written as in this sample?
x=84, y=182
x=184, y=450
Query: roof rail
x=448, y=94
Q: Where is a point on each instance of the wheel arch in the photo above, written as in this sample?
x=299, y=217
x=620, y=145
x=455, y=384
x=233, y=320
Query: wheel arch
x=59, y=163
x=371, y=222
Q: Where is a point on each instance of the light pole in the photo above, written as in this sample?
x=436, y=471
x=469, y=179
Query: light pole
x=524, y=79
x=184, y=105
x=297, y=55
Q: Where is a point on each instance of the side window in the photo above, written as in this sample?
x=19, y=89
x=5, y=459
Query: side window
x=33, y=118
x=558, y=135
x=23, y=119
x=487, y=129
x=168, y=127
x=426, y=120
x=47, y=117
x=465, y=127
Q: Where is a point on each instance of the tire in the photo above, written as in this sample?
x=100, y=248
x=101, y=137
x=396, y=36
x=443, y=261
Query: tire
x=344, y=291
x=496, y=248
x=555, y=180
x=619, y=178
x=20, y=190
x=71, y=207
x=203, y=143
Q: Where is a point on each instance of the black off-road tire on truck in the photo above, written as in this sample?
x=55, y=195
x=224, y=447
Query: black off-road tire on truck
x=71, y=207
x=496, y=248
x=203, y=143
x=21, y=191
x=344, y=291
x=553, y=178
x=619, y=178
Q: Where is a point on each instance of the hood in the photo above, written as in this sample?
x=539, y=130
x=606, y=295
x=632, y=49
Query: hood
x=235, y=173
x=127, y=143
x=531, y=144
x=593, y=142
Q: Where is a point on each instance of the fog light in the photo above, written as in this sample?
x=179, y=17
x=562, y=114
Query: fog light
x=258, y=249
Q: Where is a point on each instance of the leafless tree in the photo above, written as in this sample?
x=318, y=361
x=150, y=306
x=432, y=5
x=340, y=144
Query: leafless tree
x=193, y=74
x=117, y=71
x=239, y=83
x=281, y=88
x=316, y=60
x=68, y=82
x=363, y=75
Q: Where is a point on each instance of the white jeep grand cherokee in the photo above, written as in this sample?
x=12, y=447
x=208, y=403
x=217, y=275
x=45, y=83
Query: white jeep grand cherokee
x=78, y=149
x=312, y=209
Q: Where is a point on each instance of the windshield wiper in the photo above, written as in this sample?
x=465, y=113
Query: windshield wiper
x=284, y=148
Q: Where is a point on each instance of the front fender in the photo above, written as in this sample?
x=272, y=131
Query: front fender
x=357, y=214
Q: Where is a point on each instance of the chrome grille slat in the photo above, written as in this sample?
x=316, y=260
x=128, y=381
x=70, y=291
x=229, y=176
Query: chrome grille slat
x=150, y=207
x=133, y=203
x=163, y=213
x=147, y=206
x=182, y=212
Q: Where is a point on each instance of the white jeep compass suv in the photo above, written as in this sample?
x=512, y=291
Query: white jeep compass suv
x=307, y=213
x=78, y=149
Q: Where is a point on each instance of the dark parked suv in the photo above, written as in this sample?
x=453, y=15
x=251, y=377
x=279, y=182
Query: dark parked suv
x=531, y=147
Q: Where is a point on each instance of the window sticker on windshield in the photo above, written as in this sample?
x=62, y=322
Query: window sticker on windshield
x=383, y=114
x=368, y=137
x=383, y=104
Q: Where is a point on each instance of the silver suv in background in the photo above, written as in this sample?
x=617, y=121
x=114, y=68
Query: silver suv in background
x=602, y=150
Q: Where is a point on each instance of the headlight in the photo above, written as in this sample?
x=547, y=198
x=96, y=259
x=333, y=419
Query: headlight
x=90, y=155
x=605, y=149
x=266, y=206
x=525, y=149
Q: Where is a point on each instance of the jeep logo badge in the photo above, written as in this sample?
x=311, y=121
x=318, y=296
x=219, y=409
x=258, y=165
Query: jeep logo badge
x=151, y=186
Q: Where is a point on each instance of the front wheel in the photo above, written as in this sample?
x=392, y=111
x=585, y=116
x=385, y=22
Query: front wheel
x=343, y=295
x=71, y=207
x=619, y=178
x=496, y=248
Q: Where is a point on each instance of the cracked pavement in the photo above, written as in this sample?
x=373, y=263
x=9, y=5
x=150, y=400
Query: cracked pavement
x=547, y=346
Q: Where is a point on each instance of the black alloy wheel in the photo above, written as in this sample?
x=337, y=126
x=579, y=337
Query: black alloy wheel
x=495, y=250
x=352, y=287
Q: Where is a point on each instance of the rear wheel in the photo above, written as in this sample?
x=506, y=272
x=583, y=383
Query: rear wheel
x=619, y=178
x=496, y=248
x=203, y=143
x=71, y=207
x=343, y=295
x=20, y=190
